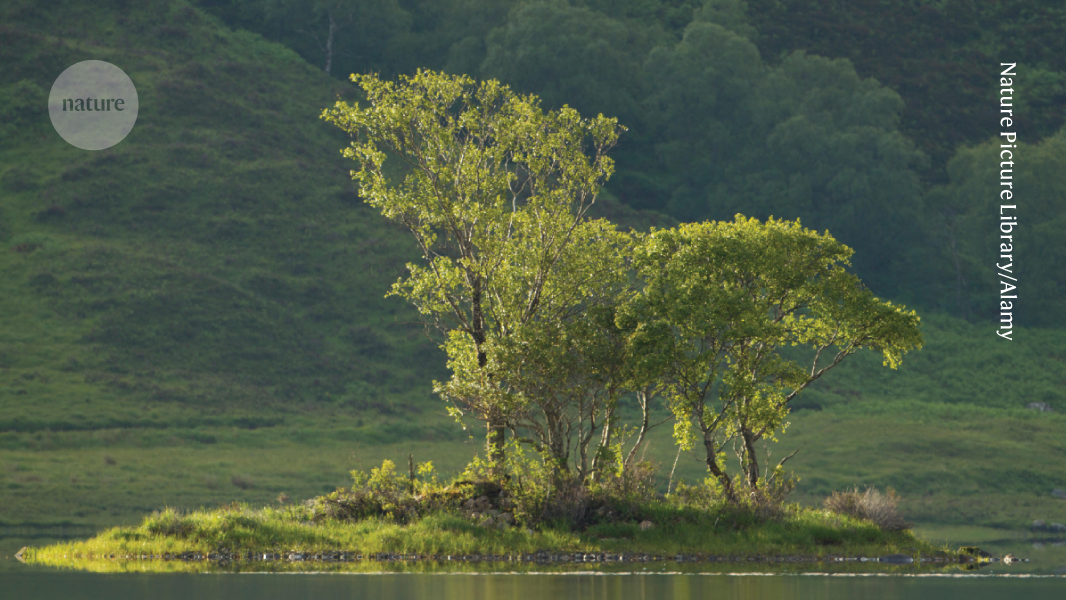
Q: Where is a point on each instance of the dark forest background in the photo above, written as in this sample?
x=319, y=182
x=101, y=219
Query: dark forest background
x=873, y=119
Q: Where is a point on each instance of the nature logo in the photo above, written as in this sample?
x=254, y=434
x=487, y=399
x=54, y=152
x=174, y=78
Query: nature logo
x=93, y=105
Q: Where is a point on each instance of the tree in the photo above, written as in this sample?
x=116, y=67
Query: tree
x=495, y=193
x=720, y=300
x=699, y=100
x=964, y=211
x=561, y=376
x=570, y=55
x=331, y=33
x=807, y=138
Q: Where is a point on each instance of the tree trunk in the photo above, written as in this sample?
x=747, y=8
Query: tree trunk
x=329, y=42
x=712, y=464
x=751, y=462
x=495, y=422
x=642, y=397
x=605, y=442
x=496, y=440
x=556, y=439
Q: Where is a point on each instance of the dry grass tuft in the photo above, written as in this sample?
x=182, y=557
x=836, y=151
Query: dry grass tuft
x=880, y=509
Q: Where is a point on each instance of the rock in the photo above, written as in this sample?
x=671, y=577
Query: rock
x=1038, y=525
x=486, y=523
x=529, y=531
x=1040, y=406
x=646, y=525
x=896, y=559
x=974, y=551
x=1057, y=528
x=1060, y=494
x=1038, y=545
x=503, y=525
x=506, y=518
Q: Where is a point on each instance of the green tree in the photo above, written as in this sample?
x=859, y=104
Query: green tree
x=720, y=299
x=807, y=138
x=964, y=217
x=495, y=193
x=832, y=148
x=563, y=378
x=700, y=92
x=570, y=55
x=340, y=36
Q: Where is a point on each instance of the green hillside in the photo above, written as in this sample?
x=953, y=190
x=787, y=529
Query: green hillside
x=196, y=315
x=216, y=256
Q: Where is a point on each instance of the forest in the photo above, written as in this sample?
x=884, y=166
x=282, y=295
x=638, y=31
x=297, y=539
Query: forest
x=868, y=118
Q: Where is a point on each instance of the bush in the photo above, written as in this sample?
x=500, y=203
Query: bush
x=871, y=505
x=568, y=505
x=384, y=493
x=169, y=523
x=625, y=494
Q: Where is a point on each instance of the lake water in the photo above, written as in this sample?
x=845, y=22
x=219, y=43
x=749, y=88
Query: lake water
x=1041, y=579
x=78, y=586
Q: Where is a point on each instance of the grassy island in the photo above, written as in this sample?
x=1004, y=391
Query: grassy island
x=798, y=532
x=622, y=519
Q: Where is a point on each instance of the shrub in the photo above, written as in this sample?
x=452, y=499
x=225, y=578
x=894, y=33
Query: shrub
x=384, y=493
x=871, y=505
x=698, y=496
x=634, y=483
x=567, y=505
x=169, y=523
x=625, y=494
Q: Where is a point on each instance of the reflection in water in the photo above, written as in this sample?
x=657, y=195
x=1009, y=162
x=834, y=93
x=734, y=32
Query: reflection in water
x=49, y=585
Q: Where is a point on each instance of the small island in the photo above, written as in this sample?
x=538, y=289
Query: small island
x=416, y=522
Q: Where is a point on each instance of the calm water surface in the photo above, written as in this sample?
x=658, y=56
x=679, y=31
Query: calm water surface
x=78, y=586
x=25, y=582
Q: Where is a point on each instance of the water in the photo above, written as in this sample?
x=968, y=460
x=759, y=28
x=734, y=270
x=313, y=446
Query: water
x=1045, y=577
x=76, y=586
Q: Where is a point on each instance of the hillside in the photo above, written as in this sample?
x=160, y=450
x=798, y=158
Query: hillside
x=214, y=270
x=196, y=315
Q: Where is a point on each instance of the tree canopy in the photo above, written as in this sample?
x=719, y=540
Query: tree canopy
x=720, y=300
x=495, y=192
x=549, y=318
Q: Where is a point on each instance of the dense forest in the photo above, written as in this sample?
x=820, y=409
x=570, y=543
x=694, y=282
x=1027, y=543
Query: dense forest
x=869, y=118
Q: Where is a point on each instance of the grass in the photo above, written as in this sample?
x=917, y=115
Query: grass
x=238, y=529
x=214, y=256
